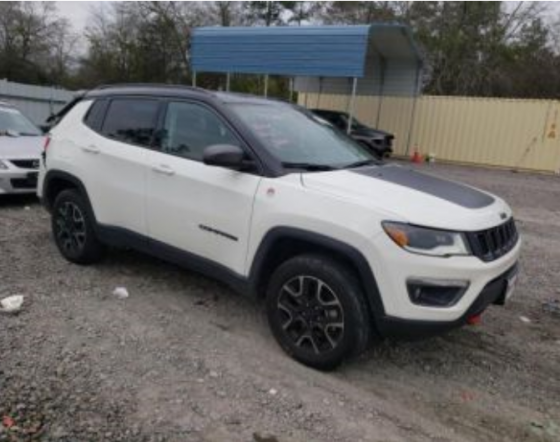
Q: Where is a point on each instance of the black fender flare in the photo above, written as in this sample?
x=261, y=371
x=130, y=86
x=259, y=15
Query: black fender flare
x=53, y=175
x=353, y=255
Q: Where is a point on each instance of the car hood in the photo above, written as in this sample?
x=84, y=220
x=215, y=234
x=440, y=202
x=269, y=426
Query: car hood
x=21, y=147
x=403, y=194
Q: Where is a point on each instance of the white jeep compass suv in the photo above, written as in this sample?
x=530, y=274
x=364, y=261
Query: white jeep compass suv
x=280, y=205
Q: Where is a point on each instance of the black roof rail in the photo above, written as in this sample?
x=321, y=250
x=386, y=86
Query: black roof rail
x=252, y=96
x=149, y=85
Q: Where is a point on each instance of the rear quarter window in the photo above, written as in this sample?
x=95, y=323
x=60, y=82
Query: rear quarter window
x=94, y=115
x=131, y=120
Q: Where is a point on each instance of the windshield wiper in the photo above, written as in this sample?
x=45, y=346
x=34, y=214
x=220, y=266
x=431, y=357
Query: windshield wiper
x=309, y=166
x=361, y=164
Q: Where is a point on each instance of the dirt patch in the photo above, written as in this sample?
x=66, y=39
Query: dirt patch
x=185, y=359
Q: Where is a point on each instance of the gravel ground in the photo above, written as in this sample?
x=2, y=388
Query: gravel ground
x=185, y=359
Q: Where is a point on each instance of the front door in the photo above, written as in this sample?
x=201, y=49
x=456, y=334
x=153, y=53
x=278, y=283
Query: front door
x=200, y=209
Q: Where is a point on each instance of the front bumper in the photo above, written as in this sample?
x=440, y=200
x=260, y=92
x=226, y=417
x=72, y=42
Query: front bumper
x=393, y=267
x=495, y=292
x=18, y=181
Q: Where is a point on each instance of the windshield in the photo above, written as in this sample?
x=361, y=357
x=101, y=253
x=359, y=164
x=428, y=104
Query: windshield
x=13, y=121
x=301, y=140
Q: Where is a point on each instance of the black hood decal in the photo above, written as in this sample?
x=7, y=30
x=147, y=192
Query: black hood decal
x=447, y=190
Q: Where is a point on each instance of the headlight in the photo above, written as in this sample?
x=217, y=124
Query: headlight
x=427, y=241
x=3, y=166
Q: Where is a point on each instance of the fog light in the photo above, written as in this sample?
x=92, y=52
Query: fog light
x=436, y=292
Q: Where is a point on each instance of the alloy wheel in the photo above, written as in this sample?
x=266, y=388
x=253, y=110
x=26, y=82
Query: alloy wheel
x=311, y=314
x=70, y=227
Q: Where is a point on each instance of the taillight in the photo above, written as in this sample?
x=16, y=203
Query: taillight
x=47, y=142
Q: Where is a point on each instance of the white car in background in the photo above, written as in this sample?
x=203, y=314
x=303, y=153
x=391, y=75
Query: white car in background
x=21, y=145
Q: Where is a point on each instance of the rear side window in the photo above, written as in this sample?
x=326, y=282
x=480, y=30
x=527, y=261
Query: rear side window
x=131, y=120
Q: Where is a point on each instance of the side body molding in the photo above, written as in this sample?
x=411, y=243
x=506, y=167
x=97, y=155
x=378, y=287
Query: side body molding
x=250, y=286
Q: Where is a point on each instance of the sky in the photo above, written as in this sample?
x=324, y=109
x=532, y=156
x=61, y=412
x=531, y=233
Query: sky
x=78, y=12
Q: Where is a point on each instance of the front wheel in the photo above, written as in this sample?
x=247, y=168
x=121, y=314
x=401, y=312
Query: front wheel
x=73, y=230
x=317, y=311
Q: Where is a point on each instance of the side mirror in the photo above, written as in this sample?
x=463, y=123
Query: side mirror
x=224, y=155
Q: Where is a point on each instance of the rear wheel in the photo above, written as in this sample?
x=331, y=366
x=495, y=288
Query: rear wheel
x=72, y=229
x=317, y=311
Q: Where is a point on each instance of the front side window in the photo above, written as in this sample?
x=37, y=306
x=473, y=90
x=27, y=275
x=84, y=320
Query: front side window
x=299, y=139
x=131, y=120
x=190, y=128
x=13, y=121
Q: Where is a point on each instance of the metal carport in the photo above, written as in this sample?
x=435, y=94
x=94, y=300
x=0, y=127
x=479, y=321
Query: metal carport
x=367, y=60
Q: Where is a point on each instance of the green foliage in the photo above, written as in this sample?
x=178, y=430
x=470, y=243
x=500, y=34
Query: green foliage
x=470, y=48
x=264, y=13
x=35, y=45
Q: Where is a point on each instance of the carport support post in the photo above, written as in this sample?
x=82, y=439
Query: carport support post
x=414, y=103
x=318, y=105
x=352, y=99
x=291, y=89
x=381, y=91
x=266, y=86
x=228, y=81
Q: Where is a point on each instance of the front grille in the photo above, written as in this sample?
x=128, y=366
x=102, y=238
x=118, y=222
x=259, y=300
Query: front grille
x=493, y=243
x=26, y=164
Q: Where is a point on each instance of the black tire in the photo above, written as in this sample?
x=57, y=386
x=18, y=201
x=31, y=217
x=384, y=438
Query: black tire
x=72, y=228
x=299, y=319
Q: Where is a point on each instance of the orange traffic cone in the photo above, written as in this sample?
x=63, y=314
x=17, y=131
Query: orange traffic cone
x=416, y=157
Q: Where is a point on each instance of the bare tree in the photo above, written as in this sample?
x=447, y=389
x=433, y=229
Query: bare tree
x=35, y=44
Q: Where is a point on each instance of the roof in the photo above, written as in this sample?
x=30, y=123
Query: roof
x=241, y=98
x=145, y=89
x=321, y=51
x=174, y=90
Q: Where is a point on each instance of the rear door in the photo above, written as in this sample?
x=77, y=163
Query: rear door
x=115, y=156
x=204, y=210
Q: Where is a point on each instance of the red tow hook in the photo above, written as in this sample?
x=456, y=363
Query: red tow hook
x=475, y=319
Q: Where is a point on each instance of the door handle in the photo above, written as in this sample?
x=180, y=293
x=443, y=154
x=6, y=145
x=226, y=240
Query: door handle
x=163, y=169
x=91, y=149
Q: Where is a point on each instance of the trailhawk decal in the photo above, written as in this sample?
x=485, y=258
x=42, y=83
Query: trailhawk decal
x=448, y=190
x=218, y=232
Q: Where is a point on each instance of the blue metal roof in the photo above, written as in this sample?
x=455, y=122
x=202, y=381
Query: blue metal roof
x=315, y=51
